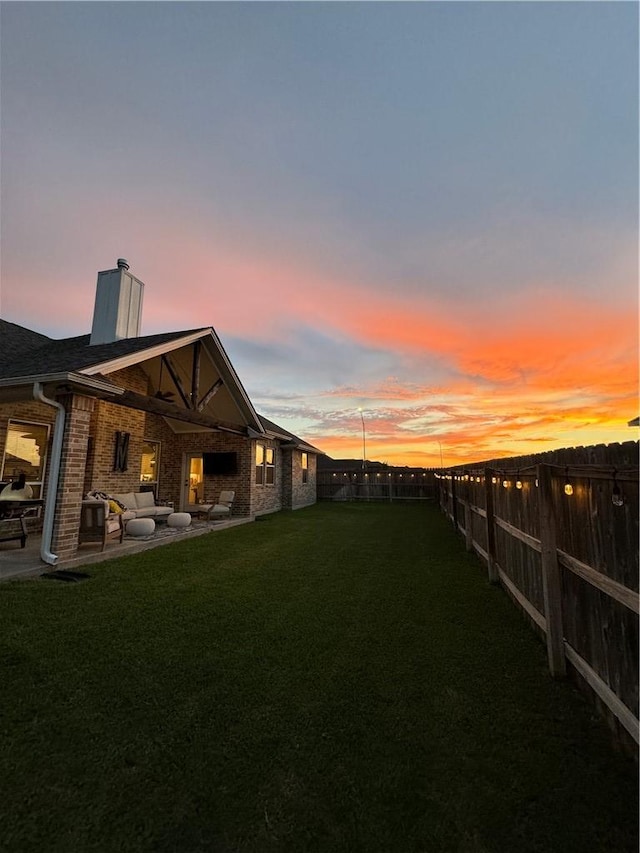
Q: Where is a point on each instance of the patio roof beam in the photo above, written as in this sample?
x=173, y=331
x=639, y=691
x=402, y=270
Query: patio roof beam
x=154, y=406
x=213, y=390
x=195, y=375
x=176, y=380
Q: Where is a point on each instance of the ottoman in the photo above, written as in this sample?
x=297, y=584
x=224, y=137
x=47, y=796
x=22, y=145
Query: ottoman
x=179, y=519
x=141, y=526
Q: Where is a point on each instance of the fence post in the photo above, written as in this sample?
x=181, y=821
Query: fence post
x=468, y=524
x=454, y=504
x=492, y=568
x=552, y=590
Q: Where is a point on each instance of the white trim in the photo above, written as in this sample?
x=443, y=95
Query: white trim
x=143, y=355
x=72, y=378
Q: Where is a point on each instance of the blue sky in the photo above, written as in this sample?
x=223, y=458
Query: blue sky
x=429, y=210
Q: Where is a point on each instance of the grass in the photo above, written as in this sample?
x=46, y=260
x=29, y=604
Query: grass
x=342, y=678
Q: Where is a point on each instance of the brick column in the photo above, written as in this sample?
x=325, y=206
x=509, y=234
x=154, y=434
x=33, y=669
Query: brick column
x=73, y=461
x=287, y=477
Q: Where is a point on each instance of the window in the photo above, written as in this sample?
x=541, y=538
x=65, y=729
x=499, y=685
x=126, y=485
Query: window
x=305, y=468
x=270, y=466
x=25, y=452
x=150, y=466
x=265, y=465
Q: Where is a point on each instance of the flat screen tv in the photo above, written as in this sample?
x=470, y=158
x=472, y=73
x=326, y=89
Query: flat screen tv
x=220, y=464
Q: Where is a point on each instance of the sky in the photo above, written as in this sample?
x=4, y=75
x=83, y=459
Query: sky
x=427, y=211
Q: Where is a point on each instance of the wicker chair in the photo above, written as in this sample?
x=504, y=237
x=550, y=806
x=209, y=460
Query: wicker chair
x=97, y=524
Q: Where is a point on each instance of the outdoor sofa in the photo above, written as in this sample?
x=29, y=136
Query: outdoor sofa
x=141, y=505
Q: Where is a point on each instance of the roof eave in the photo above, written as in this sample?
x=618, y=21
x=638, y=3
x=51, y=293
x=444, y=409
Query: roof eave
x=73, y=379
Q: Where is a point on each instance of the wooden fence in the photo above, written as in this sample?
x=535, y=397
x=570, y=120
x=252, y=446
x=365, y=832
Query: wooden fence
x=382, y=485
x=560, y=532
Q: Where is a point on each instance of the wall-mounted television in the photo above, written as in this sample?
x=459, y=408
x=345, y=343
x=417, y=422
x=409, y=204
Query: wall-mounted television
x=220, y=464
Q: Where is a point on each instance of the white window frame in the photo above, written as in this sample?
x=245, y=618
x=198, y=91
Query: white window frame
x=265, y=465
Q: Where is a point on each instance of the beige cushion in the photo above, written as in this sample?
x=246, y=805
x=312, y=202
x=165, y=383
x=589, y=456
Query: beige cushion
x=128, y=499
x=163, y=511
x=144, y=500
x=112, y=524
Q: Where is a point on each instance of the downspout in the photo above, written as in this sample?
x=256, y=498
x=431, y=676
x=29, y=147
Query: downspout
x=54, y=474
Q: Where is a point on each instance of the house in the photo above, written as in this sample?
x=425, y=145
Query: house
x=118, y=412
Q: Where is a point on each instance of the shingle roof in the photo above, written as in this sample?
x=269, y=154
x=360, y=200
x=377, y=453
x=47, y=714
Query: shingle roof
x=270, y=426
x=16, y=339
x=26, y=353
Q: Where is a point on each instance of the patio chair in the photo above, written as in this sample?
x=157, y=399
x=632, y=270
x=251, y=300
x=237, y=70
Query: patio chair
x=97, y=524
x=221, y=509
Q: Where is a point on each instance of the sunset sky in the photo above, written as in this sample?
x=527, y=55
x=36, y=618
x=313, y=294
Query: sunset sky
x=427, y=210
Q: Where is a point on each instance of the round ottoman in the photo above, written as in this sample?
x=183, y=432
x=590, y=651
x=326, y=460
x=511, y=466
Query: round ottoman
x=140, y=526
x=179, y=519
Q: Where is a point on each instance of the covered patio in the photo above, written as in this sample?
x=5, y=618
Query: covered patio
x=17, y=562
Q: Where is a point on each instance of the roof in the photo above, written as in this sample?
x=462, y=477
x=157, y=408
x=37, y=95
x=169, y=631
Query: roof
x=27, y=353
x=16, y=339
x=279, y=432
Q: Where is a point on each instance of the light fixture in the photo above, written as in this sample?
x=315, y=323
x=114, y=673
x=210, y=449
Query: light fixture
x=518, y=481
x=494, y=480
x=568, y=488
x=505, y=483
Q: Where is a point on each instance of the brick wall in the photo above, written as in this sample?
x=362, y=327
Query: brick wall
x=172, y=449
x=303, y=494
x=73, y=460
x=107, y=419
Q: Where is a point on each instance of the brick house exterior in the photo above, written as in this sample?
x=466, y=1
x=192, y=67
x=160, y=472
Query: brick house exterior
x=85, y=394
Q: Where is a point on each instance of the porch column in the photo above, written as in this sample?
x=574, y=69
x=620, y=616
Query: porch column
x=73, y=461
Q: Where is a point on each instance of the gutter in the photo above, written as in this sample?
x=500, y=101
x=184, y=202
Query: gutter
x=54, y=474
x=79, y=379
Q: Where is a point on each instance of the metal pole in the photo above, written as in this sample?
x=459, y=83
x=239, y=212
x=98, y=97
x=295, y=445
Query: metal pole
x=364, y=441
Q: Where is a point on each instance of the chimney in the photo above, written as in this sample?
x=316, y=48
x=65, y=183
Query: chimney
x=118, y=307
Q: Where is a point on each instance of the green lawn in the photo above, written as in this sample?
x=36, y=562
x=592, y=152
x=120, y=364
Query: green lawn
x=338, y=679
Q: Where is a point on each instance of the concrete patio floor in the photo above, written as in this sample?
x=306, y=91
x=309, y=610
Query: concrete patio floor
x=17, y=562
